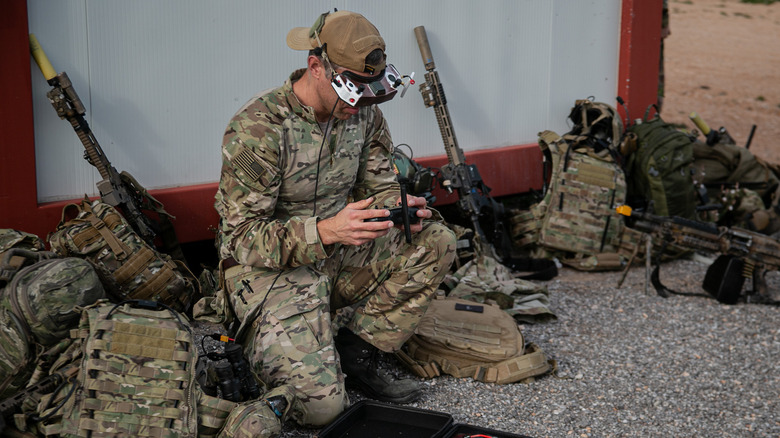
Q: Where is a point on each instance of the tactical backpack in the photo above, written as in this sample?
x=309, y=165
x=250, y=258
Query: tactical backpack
x=128, y=266
x=17, y=348
x=41, y=297
x=467, y=339
x=658, y=169
x=576, y=220
x=136, y=367
x=49, y=293
x=744, y=185
x=17, y=354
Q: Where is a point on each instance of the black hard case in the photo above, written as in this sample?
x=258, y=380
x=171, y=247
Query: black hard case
x=459, y=430
x=371, y=419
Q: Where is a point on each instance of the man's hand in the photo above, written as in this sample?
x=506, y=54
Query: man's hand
x=348, y=226
x=422, y=212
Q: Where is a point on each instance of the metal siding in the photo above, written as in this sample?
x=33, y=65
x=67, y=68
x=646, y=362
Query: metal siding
x=61, y=173
x=160, y=79
x=584, y=55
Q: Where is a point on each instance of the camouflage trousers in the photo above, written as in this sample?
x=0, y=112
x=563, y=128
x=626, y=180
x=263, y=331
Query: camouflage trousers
x=286, y=316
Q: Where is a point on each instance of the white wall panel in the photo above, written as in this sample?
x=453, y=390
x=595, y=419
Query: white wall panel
x=161, y=78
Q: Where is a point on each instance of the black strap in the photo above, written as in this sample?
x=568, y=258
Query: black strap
x=541, y=269
x=655, y=279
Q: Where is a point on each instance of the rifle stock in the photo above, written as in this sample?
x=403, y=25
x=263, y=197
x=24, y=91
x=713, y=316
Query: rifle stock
x=115, y=189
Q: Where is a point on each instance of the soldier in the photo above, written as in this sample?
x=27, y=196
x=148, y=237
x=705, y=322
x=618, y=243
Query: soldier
x=303, y=166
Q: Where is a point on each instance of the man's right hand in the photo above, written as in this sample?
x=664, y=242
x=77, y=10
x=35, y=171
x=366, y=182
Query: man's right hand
x=348, y=227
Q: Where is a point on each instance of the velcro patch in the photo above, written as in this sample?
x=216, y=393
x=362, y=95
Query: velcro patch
x=246, y=161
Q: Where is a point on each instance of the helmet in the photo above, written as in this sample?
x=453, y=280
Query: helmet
x=596, y=124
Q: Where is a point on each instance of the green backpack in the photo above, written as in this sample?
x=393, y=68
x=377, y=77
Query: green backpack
x=659, y=168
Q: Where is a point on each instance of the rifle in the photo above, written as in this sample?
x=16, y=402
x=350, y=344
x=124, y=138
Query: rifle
x=742, y=254
x=50, y=383
x=712, y=137
x=474, y=200
x=119, y=190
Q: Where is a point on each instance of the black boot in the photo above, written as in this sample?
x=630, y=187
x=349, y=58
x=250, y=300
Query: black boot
x=359, y=363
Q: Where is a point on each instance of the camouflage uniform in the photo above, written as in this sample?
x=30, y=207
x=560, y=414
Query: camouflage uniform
x=287, y=282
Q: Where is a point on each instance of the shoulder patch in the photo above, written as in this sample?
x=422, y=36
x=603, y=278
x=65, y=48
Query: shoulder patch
x=247, y=162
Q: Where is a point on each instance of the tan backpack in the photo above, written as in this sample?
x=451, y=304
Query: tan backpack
x=468, y=339
x=128, y=267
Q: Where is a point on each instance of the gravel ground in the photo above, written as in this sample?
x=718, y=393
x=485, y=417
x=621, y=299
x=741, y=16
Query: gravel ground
x=631, y=363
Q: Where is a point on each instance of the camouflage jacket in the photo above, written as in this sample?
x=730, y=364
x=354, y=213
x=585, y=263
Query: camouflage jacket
x=266, y=196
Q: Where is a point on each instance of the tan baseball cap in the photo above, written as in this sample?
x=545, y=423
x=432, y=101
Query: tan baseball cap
x=349, y=37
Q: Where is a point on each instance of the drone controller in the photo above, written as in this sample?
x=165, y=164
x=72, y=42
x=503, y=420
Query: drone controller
x=397, y=216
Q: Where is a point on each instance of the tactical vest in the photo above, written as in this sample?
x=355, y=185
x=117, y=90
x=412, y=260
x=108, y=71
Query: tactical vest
x=576, y=220
x=136, y=376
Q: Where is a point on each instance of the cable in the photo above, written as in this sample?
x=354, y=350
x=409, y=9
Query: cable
x=319, y=156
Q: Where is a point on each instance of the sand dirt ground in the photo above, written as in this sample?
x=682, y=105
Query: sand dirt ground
x=722, y=60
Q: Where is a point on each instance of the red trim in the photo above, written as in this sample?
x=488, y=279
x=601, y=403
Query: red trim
x=640, y=50
x=18, y=191
x=507, y=170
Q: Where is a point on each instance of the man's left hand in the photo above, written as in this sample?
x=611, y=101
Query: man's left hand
x=422, y=212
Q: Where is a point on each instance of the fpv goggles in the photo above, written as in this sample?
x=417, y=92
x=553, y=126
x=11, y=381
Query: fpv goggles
x=357, y=90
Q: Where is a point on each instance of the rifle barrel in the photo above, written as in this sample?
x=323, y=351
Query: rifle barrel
x=425, y=48
x=700, y=123
x=41, y=59
x=750, y=137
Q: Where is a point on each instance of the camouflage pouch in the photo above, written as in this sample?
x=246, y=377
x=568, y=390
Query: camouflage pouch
x=214, y=306
x=251, y=420
x=49, y=294
x=17, y=354
x=10, y=238
x=136, y=376
x=128, y=266
x=212, y=414
x=15, y=240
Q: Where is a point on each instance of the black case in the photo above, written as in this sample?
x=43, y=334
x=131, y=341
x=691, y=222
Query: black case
x=371, y=419
x=459, y=430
